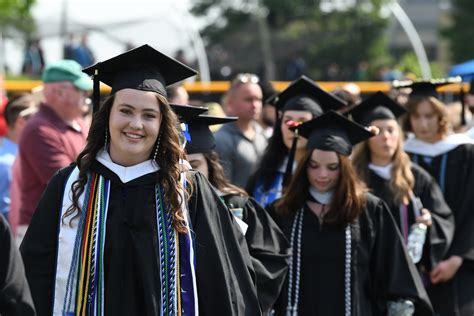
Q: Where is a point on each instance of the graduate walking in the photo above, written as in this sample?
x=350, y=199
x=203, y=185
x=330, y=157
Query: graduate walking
x=348, y=256
x=125, y=231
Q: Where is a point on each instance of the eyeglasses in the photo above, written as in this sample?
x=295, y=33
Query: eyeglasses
x=245, y=78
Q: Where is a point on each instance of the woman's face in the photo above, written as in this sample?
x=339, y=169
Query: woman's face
x=134, y=124
x=198, y=162
x=288, y=135
x=424, y=122
x=323, y=170
x=385, y=144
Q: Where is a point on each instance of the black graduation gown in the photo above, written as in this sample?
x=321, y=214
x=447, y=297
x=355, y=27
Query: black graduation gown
x=132, y=277
x=15, y=297
x=440, y=234
x=380, y=269
x=269, y=250
x=456, y=297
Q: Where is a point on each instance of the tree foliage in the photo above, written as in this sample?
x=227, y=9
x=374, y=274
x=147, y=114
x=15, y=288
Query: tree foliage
x=15, y=16
x=311, y=29
x=460, y=32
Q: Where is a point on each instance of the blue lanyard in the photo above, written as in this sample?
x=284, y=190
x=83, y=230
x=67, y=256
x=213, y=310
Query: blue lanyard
x=442, y=171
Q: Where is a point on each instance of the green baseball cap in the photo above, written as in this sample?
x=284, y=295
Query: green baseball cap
x=67, y=70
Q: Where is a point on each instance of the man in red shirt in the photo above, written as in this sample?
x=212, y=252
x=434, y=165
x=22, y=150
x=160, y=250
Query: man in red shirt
x=54, y=137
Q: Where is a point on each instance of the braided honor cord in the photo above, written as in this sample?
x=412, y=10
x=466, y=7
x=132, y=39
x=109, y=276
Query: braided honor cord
x=294, y=281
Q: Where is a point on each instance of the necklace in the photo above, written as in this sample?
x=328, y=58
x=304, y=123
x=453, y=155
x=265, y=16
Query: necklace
x=294, y=276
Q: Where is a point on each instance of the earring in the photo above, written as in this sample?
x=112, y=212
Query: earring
x=157, y=147
x=106, y=138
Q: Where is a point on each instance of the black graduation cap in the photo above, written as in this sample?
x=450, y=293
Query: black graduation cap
x=333, y=132
x=425, y=88
x=142, y=68
x=304, y=95
x=201, y=138
x=378, y=106
x=186, y=113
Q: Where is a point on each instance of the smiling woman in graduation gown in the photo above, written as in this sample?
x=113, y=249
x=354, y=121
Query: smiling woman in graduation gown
x=131, y=242
x=345, y=261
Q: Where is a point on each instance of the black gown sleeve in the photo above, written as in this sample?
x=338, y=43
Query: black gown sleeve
x=15, y=296
x=394, y=275
x=463, y=242
x=39, y=247
x=441, y=232
x=270, y=252
x=225, y=285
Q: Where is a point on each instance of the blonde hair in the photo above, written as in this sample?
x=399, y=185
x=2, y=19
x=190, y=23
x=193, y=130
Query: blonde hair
x=402, y=180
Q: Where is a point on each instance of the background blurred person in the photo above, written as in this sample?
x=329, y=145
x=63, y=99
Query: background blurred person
x=449, y=158
x=82, y=53
x=240, y=144
x=177, y=94
x=54, y=137
x=17, y=111
x=33, y=59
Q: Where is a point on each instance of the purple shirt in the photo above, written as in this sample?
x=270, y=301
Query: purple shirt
x=46, y=145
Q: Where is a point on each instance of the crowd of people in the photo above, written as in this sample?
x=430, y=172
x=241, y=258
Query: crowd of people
x=298, y=202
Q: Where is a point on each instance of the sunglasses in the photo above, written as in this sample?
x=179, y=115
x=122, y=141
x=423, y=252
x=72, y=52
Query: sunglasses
x=245, y=78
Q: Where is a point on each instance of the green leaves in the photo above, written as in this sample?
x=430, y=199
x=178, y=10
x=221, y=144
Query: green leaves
x=460, y=32
x=316, y=30
x=15, y=15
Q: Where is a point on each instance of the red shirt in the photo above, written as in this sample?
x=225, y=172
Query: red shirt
x=46, y=145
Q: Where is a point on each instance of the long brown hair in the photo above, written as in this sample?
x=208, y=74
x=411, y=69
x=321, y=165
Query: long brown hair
x=402, y=181
x=217, y=177
x=347, y=202
x=439, y=108
x=167, y=158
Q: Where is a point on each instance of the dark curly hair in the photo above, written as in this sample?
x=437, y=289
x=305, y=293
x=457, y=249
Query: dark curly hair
x=168, y=158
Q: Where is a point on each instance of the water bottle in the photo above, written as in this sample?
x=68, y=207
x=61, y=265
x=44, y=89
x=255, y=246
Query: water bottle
x=401, y=308
x=417, y=235
x=416, y=241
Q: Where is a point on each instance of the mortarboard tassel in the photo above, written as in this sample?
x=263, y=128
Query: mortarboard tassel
x=96, y=91
x=291, y=155
x=463, y=105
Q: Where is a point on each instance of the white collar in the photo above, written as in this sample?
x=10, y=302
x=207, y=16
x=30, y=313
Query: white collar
x=321, y=197
x=126, y=174
x=416, y=146
x=470, y=132
x=384, y=172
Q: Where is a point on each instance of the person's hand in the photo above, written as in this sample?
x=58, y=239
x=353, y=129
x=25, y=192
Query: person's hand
x=445, y=270
x=373, y=129
x=425, y=217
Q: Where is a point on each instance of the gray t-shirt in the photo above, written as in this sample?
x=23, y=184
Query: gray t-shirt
x=239, y=155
